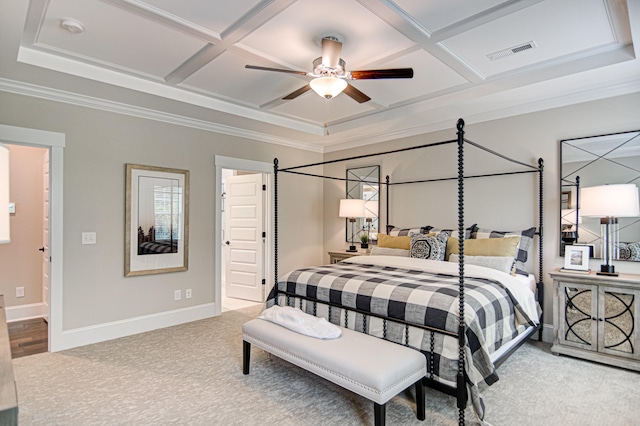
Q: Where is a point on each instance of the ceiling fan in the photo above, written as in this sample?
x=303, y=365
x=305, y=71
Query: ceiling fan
x=330, y=76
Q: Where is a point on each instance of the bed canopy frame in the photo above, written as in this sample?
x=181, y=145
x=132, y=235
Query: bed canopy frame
x=460, y=390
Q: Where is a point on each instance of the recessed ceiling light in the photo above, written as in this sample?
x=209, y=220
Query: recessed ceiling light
x=71, y=25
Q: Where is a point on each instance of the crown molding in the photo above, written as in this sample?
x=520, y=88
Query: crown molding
x=573, y=98
x=47, y=93
x=41, y=92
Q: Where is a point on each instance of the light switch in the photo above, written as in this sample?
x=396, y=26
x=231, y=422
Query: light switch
x=12, y=208
x=88, y=238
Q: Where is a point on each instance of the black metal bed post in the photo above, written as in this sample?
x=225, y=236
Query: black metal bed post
x=461, y=382
x=386, y=219
x=275, y=230
x=540, y=241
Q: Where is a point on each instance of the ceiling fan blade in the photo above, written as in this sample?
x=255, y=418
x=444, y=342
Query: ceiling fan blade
x=355, y=94
x=331, y=50
x=379, y=74
x=255, y=67
x=297, y=93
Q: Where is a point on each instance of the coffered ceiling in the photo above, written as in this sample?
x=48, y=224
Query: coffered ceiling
x=184, y=61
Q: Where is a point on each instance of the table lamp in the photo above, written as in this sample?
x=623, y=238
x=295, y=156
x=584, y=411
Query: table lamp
x=609, y=202
x=352, y=208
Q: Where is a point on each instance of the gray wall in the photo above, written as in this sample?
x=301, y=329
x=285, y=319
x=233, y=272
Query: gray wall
x=496, y=203
x=98, y=144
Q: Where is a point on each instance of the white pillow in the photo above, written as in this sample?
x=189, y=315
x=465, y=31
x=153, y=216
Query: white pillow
x=500, y=263
x=385, y=251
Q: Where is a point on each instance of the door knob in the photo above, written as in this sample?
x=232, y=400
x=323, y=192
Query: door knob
x=41, y=249
x=227, y=242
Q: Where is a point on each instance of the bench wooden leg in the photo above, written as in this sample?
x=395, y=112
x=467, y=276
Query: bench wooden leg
x=379, y=413
x=246, y=356
x=420, y=403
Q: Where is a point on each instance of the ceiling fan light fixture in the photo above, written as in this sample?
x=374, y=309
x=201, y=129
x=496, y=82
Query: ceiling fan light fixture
x=328, y=87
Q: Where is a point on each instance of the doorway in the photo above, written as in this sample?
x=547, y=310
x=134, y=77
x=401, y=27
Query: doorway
x=54, y=144
x=23, y=270
x=242, y=240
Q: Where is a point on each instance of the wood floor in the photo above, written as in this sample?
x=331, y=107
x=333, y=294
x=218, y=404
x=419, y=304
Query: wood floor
x=28, y=337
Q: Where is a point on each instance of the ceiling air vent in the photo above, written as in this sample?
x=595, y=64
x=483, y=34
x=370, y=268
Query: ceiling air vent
x=511, y=51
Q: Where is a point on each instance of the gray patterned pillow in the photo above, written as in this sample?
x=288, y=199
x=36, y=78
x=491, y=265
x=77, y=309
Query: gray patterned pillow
x=403, y=232
x=428, y=247
x=452, y=232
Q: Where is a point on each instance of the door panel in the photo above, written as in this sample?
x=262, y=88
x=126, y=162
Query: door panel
x=245, y=263
x=618, y=312
x=580, y=305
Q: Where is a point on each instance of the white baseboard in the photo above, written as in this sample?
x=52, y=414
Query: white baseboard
x=113, y=330
x=24, y=312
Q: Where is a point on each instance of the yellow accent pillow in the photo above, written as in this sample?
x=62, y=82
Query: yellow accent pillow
x=397, y=242
x=506, y=246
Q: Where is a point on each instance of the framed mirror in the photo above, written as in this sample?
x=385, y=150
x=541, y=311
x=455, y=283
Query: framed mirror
x=593, y=161
x=364, y=183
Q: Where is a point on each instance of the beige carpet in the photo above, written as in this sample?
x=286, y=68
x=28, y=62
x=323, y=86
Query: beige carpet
x=192, y=375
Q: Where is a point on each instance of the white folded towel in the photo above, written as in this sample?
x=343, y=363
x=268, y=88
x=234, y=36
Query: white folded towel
x=296, y=320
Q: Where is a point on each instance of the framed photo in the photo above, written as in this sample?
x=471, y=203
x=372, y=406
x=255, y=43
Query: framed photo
x=157, y=220
x=576, y=258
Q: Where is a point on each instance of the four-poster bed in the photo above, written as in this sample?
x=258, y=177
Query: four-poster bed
x=419, y=302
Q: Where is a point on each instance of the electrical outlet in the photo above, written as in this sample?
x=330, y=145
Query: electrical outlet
x=177, y=295
x=19, y=291
x=187, y=293
x=88, y=238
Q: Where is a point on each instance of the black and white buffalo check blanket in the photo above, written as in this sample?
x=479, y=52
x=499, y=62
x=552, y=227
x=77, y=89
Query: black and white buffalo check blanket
x=423, y=292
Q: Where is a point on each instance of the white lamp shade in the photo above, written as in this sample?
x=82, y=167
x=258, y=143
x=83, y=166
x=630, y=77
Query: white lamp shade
x=609, y=201
x=328, y=87
x=5, y=236
x=352, y=208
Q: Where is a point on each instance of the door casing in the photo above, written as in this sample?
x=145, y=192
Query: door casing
x=55, y=143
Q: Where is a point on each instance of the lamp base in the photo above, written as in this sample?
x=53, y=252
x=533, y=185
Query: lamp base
x=352, y=249
x=609, y=270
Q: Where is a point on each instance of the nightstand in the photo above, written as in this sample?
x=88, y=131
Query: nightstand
x=597, y=317
x=339, y=255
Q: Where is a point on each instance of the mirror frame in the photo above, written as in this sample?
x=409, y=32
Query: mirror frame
x=358, y=178
x=585, y=152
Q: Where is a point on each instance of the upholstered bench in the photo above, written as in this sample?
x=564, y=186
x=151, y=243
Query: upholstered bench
x=371, y=367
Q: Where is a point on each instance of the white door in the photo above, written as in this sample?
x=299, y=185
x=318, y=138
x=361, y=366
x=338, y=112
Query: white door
x=245, y=225
x=45, y=237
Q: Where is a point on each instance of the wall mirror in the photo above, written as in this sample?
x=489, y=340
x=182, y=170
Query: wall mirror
x=364, y=183
x=592, y=161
